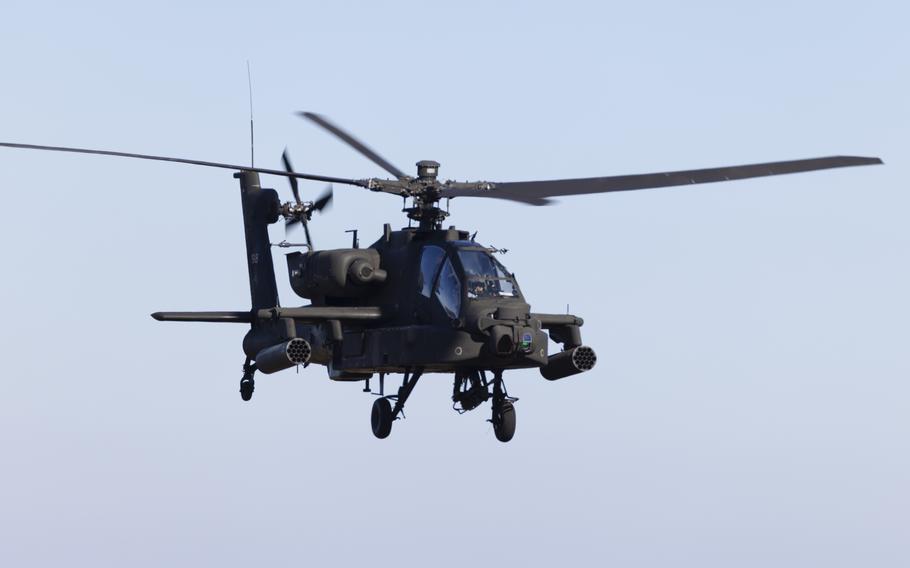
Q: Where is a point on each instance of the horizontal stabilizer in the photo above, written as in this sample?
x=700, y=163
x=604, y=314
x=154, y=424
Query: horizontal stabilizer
x=217, y=317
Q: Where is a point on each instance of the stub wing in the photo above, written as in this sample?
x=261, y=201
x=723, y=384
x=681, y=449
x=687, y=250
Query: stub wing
x=303, y=314
x=214, y=317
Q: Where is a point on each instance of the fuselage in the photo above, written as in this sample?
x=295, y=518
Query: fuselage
x=447, y=304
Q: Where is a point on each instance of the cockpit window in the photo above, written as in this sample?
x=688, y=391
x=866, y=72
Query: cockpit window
x=486, y=277
x=430, y=260
x=448, y=291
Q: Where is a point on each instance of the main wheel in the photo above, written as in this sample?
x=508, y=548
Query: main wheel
x=381, y=418
x=247, y=385
x=504, y=421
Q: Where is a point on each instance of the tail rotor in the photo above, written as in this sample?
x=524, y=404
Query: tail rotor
x=302, y=211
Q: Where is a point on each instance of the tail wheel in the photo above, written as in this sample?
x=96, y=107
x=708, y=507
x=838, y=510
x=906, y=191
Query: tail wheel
x=504, y=421
x=381, y=418
x=246, y=388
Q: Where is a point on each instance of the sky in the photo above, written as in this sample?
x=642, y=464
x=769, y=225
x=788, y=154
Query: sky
x=750, y=405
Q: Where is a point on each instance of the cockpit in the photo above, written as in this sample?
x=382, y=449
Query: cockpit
x=465, y=270
x=485, y=277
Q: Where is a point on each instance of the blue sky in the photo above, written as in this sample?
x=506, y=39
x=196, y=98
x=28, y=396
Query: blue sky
x=750, y=402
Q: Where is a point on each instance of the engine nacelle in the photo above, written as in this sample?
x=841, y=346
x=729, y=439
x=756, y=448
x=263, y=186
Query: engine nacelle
x=341, y=273
x=569, y=362
x=283, y=356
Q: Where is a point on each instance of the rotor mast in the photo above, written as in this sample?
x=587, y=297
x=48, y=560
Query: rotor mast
x=425, y=191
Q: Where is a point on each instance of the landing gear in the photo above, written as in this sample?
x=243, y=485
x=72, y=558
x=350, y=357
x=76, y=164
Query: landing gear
x=383, y=414
x=472, y=389
x=247, y=384
x=503, y=418
x=381, y=418
x=503, y=421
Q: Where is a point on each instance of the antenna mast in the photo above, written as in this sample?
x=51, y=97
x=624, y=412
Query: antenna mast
x=249, y=80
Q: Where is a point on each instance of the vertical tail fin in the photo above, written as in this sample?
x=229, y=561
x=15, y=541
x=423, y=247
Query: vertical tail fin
x=260, y=209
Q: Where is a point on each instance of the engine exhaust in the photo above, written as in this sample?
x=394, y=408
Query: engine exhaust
x=283, y=356
x=569, y=362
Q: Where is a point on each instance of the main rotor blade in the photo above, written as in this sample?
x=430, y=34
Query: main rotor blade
x=330, y=179
x=537, y=192
x=354, y=143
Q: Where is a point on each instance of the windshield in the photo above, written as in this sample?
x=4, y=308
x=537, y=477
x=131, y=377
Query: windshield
x=448, y=290
x=485, y=276
x=430, y=261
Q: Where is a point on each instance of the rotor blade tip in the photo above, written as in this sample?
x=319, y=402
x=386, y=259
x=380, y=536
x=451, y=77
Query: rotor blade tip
x=866, y=161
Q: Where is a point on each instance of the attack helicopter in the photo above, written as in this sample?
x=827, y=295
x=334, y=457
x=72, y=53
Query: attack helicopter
x=421, y=299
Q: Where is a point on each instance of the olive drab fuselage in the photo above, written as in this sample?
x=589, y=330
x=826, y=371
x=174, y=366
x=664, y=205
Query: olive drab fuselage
x=430, y=316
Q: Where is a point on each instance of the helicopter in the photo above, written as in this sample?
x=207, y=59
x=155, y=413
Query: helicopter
x=421, y=299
